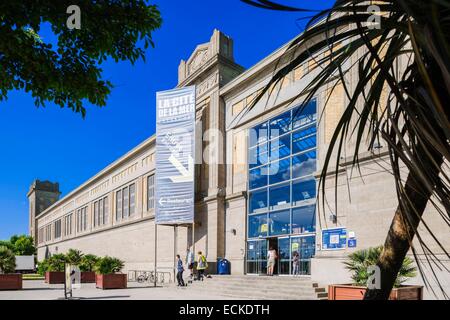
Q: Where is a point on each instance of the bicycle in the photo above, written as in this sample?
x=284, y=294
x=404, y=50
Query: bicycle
x=147, y=276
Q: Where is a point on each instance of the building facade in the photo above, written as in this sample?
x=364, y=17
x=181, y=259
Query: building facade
x=256, y=181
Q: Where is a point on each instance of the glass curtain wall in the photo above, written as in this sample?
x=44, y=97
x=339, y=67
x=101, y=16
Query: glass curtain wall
x=282, y=188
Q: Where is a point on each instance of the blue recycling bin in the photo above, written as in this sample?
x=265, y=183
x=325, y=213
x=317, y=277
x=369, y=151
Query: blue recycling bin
x=223, y=266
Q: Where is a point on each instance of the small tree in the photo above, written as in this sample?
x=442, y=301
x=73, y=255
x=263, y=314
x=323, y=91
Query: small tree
x=108, y=265
x=56, y=262
x=7, y=260
x=6, y=243
x=24, y=245
x=359, y=262
x=88, y=262
x=74, y=257
x=43, y=267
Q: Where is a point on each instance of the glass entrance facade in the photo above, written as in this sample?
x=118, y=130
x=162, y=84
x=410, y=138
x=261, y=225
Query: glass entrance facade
x=282, y=190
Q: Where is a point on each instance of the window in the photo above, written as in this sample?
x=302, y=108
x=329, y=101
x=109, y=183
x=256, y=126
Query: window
x=304, y=164
x=132, y=199
x=280, y=147
x=82, y=219
x=41, y=235
x=280, y=125
x=258, y=134
x=105, y=210
x=57, y=229
x=258, y=155
x=304, y=139
x=258, y=201
x=258, y=177
x=304, y=219
x=68, y=225
x=119, y=205
x=303, y=189
x=279, y=222
x=101, y=212
x=280, y=171
x=126, y=202
x=281, y=167
x=150, y=192
x=257, y=225
x=280, y=196
x=48, y=232
x=304, y=115
x=96, y=216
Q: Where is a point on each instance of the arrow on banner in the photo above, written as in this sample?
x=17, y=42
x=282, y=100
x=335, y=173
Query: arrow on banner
x=186, y=175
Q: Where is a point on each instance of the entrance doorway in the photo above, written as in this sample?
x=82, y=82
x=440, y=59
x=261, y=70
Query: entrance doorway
x=286, y=247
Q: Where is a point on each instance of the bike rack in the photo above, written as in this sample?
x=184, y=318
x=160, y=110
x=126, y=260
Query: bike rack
x=149, y=276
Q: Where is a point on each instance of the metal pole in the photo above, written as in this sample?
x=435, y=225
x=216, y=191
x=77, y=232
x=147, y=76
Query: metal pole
x=193, y=239
x=174, y=251
x=156, y=251
x=193, y=247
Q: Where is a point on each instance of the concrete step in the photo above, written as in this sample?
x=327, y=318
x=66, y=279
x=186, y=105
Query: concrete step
x=277, y=281
x=254, y=287
x=263, y=295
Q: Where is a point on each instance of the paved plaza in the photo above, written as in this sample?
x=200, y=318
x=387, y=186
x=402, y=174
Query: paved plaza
x=38, y=290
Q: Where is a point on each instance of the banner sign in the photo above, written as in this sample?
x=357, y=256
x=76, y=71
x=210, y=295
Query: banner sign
x=334, y=238
x=175, y=147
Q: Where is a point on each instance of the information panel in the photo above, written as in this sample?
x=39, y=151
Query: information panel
x=175, y=136
x=334, y=239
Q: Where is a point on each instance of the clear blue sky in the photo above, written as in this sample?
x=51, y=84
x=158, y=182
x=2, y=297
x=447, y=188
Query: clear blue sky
x=57, y=145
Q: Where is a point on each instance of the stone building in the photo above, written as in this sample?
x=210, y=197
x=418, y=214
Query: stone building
x=240, y=211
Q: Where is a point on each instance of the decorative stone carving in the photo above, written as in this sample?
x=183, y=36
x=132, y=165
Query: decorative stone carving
x=207, y=84
x=198, y=60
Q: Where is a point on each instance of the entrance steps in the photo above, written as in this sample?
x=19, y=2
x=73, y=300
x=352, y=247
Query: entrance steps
x=260, y=287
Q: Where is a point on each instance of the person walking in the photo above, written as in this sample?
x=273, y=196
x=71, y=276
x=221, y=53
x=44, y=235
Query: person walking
x=295, y=263
x=180, y=270
x=190, y=262
x=271, y=260
x=202, y=264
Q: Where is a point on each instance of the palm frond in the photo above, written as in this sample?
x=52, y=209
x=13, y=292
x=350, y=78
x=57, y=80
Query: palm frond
x=408, y=57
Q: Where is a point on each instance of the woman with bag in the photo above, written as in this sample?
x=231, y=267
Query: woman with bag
x=202, y=264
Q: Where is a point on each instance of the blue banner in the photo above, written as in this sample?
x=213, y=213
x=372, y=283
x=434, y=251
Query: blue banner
x=175, y=136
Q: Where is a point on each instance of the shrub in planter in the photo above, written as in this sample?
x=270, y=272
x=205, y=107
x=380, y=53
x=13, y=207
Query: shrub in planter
x=74, y=257
x=8, y=279
x=358, y=264
x=87, y=265
x=42, y=267
x=55, y=269
x=107, y=276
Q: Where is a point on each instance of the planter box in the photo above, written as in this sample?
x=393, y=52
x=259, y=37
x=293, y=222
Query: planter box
x=351, y=292
x=88, y=277
x=54, y=277
x=111, y=281
x=12, y=281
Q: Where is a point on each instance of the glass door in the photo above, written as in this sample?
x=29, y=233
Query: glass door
x=305, y=247
x=257, y=256
x=284, y=259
